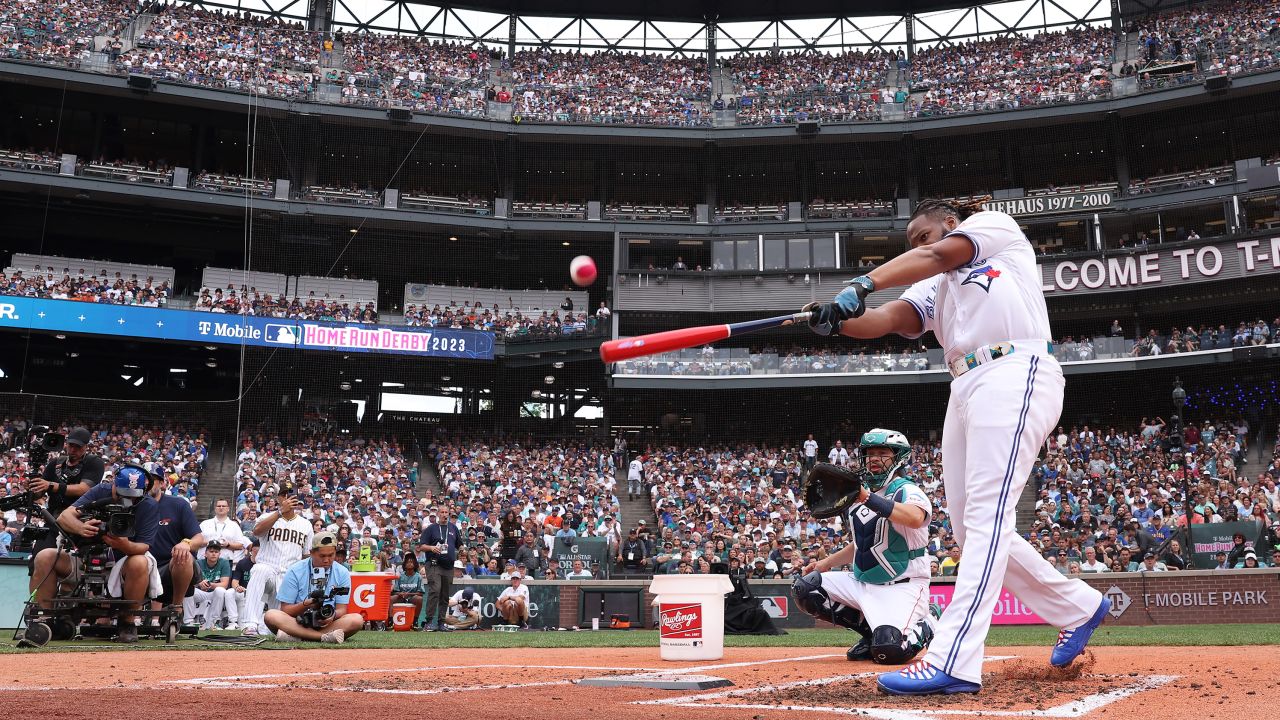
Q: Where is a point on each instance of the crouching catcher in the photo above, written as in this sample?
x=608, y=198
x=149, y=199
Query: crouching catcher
x=885, y=596
x=313, y=598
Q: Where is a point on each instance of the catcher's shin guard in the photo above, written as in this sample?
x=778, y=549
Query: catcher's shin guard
x=811, y=598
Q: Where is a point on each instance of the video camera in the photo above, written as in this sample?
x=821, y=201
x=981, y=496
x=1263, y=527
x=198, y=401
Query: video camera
x=116, y=517
x=324, y=609
x=40, y=443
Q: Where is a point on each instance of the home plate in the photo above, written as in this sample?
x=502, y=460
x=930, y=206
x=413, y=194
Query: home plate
x=659, y=681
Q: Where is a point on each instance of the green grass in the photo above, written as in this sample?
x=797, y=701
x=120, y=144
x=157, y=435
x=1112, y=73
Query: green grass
x=1175, y=635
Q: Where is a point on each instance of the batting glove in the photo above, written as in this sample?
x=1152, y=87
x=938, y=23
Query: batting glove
x=822, y=319
x=851, y=302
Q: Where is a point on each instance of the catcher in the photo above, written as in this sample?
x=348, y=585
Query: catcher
x=885, y=598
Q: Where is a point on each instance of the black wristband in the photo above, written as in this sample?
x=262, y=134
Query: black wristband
x=879, y=505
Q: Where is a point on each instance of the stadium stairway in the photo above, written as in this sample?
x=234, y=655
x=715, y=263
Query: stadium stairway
x=1026, y=508
x=217, y=480
x=1128, y=50
x=632, y=510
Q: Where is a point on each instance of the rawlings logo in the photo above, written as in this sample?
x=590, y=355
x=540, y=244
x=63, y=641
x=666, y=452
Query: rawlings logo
x=680, y=621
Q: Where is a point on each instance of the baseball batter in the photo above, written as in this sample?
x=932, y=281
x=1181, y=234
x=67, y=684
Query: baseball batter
x=286, y=537
x=889, y=584
x=975, y=285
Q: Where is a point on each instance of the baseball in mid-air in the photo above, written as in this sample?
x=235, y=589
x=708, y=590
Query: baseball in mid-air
x=582, y=270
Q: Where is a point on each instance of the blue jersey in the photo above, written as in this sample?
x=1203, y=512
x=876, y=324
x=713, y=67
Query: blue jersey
x=296, y=585
x=144, y=518
x=176, y=522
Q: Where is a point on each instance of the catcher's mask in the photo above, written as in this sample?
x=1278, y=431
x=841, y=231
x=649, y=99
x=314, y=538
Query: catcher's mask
x=881, y=438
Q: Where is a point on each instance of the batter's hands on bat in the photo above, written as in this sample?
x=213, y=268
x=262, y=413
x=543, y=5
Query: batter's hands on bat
x=822, y=318
x=851, y=302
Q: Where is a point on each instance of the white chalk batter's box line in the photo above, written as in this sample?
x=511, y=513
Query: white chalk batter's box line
x=247, y=682
x=1073, y=709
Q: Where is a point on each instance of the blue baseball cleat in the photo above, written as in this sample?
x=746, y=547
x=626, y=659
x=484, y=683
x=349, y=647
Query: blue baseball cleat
x=1072, y=642
x=921, y=678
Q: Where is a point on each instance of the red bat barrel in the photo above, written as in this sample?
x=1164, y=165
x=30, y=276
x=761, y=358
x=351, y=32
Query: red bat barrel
x=656, y=343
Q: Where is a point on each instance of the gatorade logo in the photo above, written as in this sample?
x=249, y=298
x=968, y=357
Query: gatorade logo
x=363, y=595
x=398, y=619
x=680, y=621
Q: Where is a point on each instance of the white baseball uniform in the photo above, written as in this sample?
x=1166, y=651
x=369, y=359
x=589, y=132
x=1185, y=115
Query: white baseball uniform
x=886, y=601
x=284, y=544
x=999, y=415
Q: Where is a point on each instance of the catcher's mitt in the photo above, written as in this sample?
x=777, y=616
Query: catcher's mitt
x=829, y=490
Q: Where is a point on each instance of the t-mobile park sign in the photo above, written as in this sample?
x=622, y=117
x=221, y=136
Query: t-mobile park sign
x=1219, y=261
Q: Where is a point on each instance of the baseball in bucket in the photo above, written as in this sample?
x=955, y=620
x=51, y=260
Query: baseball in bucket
x=690, y=615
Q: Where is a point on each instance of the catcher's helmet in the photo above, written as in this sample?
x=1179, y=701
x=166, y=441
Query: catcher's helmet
x=881, y=438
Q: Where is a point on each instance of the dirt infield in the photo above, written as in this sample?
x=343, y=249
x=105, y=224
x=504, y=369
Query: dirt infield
x=1120, y=683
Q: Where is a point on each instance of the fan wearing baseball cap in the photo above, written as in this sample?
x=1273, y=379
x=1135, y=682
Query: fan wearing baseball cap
x=134, y=574
x=66, y=477
x=295, y=596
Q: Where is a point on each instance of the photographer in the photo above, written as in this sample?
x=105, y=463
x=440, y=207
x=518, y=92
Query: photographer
x=66, y=478
x=134, y=575
x=464, y=610
x=315, y=614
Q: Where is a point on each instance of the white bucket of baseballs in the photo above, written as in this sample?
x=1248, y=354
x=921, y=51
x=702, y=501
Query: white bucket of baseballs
x=690, y=615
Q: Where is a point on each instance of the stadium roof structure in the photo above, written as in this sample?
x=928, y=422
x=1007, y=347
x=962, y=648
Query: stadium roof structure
x=710, y=10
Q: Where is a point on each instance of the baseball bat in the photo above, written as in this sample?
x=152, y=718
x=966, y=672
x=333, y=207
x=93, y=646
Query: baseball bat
x=655, y=343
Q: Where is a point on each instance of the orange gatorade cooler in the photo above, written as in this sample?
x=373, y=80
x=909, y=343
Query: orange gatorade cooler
x=371, y=595
x=402, y=616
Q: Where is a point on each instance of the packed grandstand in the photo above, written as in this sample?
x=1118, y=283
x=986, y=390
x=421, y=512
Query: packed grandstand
x=249, y=53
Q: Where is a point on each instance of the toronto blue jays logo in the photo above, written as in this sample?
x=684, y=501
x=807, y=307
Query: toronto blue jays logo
x=982, y=276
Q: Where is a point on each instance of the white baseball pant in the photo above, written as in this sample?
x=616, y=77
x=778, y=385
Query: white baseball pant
x=263, y=583
x=900, y=606
x=998, y=417
x=211, y=603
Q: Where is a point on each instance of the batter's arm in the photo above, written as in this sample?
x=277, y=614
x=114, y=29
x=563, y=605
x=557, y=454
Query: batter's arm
x=925, y=261
x=895, y=316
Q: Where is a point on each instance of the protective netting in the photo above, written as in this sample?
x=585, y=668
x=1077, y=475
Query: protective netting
x=391, y=326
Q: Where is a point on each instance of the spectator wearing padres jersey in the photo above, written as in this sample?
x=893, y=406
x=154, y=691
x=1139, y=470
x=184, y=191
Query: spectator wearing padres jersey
x=439, y=544
x=286, y=537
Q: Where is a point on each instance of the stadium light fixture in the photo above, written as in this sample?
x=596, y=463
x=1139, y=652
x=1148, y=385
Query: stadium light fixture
x=177, y=371
x=344, y=386
x=60, y=336
x=392, y=385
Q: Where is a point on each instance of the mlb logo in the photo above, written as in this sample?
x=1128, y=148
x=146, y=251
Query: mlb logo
x=680, y=621
x=281, y=334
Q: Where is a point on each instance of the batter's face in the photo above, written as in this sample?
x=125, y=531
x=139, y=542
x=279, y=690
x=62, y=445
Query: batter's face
x=929, y=229
x=879, y=459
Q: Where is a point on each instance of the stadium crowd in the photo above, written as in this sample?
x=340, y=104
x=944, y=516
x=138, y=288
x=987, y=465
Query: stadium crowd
x=242, y=51
x=95, y=288
x=251, y=302
x=782, y=88
x=1227, y=38
x=1013, y=72
x=216, y=48
x=512, y=324
x=178, y=453
x=609, y=87
x=1107, y=501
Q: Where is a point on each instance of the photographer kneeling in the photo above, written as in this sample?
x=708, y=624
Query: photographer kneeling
x=313, y=598
x=134, y=576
